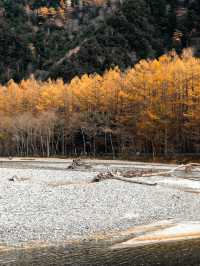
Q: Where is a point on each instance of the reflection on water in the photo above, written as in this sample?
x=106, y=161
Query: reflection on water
x=185, y=253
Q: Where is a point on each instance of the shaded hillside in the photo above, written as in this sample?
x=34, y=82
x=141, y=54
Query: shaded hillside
x=52, y=38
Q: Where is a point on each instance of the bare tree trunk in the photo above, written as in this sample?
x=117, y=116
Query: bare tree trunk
x=47, y=147
x=27, y=145
x=42, y=145
x=166, y=142
x=153, y=150
x=105, y=142
x=111, y=142
x=84, y=143
x=23, y=146
x=63, y=143
x=94, y=145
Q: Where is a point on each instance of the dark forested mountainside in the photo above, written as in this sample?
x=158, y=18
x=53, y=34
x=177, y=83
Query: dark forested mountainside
x=64, y=38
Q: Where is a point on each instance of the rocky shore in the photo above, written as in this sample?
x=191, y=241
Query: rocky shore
x=42, y=201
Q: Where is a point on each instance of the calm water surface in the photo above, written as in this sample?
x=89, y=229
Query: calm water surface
x=186, y=253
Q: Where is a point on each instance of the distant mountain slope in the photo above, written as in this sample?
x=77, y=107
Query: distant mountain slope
x=52, y=38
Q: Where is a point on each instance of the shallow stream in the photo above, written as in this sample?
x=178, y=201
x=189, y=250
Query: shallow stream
x=185, y=253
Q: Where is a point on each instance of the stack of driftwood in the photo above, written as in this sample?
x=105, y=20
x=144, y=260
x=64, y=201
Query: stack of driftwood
x=77, y=163
x=133, y=175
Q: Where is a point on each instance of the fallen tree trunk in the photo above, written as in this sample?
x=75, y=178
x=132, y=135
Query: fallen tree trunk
x=187, y=168
x=117, y=176
x=126, y=179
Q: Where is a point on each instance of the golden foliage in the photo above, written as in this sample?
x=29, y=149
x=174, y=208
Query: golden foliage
x=156, y=103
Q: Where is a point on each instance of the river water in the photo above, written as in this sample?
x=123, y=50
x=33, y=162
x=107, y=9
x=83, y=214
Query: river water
x=184, y=253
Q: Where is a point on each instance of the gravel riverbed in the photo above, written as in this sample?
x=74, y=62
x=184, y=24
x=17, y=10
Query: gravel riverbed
x=48, y=203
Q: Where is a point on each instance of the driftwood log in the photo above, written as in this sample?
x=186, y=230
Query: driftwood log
x=75, y=163
x=118, y=176
x=187, y=168
x=16, y=178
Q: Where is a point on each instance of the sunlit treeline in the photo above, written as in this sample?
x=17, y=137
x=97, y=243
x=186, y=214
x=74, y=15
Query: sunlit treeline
x=153, y=107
